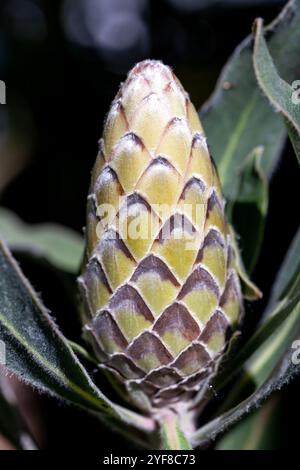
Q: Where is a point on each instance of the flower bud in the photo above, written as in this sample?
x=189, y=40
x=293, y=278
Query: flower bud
x=160, y=292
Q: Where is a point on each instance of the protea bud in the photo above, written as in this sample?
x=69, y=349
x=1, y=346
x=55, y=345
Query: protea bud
x=161, y=294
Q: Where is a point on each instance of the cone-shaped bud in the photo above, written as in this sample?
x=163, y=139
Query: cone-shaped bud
x=160, y=292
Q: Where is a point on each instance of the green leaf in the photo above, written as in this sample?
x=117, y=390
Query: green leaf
x=238, y=118
x=294, y=138
x=11, y=423
x=115, y=384
x=172, y=435
x=249, y=208
x=250, y=290
x=265, y=362
x=288, y=272
x=282, y=371
x=82, y=352
x=280, y=94
x=61, y=246
x=259, y=338
x=256, y=431
x=38, y=353
x=282, y=318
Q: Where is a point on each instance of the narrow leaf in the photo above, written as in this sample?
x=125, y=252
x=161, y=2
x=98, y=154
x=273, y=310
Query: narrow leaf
x=250, y=290
x=38, y=353
x=60, y=245
x=249, y=208
x=288, y=271
x=256, y=431
x=257, y=340
x=280, y=94
x=238, y=118
x=267, y=358
x=294, y=137
x=282, y=374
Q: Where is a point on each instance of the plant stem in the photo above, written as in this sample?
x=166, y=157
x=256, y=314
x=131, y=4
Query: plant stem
x=172, y=436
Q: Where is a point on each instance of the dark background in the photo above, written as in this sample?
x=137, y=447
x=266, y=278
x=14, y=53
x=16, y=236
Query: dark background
x=62, y=62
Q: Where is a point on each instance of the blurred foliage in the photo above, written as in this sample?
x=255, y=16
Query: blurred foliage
x=61, y=246
x=258, y=431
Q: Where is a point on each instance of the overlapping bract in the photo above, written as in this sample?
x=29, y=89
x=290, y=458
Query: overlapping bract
x=158, y=308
